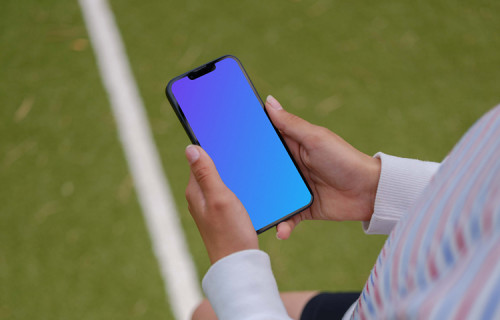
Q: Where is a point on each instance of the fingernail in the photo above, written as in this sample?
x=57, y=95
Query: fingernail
x=273, y=102
x=192, y=154
x=278, y=236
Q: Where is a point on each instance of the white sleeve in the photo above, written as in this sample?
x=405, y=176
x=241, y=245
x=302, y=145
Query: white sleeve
x=242, y=286
x=401, y=182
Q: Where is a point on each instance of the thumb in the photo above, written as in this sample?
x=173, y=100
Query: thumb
x=204, y=170
x=284, y=229
x=289, y=124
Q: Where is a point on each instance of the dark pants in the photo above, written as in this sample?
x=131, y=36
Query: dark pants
x=327, y=305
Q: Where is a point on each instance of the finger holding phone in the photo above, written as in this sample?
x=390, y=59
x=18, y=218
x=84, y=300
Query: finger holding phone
x=246, y=179
x=343, y=180
x=223, y=222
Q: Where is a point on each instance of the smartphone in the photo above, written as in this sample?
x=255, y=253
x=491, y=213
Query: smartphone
x=222, y=112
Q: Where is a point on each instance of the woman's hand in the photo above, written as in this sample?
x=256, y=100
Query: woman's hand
x=343, y=180
x=223, y=222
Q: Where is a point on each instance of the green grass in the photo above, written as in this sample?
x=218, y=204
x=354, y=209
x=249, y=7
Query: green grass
x=406, y=78
x=72, y=239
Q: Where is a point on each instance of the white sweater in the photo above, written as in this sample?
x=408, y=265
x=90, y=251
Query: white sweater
x=242, y=285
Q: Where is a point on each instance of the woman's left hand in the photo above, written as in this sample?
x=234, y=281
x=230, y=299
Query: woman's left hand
x=223, y=222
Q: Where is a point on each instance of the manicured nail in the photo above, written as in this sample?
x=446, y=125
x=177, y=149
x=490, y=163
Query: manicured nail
x=273, y=102
x=192, y=154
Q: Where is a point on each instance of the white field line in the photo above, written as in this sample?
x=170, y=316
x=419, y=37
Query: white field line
x=155, y=198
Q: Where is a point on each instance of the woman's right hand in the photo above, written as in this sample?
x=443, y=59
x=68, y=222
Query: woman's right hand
x=343, y=180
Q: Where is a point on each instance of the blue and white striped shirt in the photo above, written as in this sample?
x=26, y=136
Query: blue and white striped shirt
x=442, y=260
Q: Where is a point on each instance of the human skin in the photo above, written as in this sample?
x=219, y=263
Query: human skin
x=221, y=218
x=343, y=181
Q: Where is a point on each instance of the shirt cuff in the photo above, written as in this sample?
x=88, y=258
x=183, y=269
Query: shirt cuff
x=401, y=183
x=242, y=286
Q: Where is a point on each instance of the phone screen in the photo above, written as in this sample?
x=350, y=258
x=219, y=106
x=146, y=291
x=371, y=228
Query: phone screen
x=223, y=113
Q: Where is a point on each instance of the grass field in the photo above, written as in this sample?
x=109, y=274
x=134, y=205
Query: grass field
x=406, y=78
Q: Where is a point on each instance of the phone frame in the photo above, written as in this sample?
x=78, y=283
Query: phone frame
x=182, y=118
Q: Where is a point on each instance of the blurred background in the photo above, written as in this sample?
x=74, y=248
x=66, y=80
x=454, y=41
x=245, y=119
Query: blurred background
x=403, y=77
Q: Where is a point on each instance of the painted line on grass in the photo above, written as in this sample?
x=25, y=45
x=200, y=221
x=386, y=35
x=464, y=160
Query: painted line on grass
x=155, y=198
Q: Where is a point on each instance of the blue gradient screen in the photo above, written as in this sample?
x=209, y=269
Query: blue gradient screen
x=229, y=122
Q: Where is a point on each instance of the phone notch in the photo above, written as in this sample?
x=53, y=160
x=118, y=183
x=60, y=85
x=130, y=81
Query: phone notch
x=209, y=67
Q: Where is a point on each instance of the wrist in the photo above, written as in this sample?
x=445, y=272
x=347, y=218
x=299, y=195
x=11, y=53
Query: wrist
x=373, y=176
x=219, y=249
